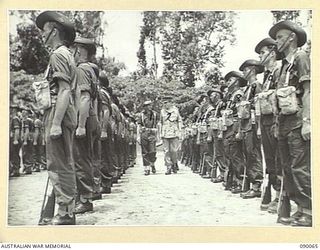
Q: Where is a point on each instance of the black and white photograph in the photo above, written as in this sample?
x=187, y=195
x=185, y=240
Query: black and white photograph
x=159, y=118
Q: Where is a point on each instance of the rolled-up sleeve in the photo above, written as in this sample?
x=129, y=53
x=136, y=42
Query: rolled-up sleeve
x=303, y=67
x=60, y=68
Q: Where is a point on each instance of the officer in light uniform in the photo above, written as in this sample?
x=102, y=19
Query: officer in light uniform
x=170, y=132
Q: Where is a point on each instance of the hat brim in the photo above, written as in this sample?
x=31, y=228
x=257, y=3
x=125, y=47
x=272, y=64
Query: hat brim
x=260, y=68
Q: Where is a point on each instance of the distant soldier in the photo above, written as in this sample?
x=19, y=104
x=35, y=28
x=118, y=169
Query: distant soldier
x=250, y=126
x=147, y=135
x=215, y=142
x=60, y=119
x=203, y=122
x=132, y=141
x=87, y=129
x=15, y=141
x=170, y=127
x=37, y=142
x=293, y=95
x=107, y=149
x=27, y=141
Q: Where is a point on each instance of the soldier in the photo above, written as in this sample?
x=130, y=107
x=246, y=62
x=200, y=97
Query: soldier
x=87, y=128
x=27, y=141
x=37, y=142
x=268, y=54
x=107, y=150
x=170, y=127
x=216, y=146
x=229, y=130
x=15, y=141
x=195, y=144
x=201, y=100
x=115, y=127
x=249, y=128
x=147, y=136
x=293, y=94
x=205, y=157
x=132, y=141
x=60, y=119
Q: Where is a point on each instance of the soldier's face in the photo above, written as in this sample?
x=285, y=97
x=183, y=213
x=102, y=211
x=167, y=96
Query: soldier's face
x=214, y=97
x=48, y=33
x=283, y=39
x=231, y=80
x=248, y=72
x=264, y=55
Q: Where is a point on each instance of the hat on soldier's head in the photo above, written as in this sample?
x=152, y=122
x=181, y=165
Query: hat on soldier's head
x=269, y=42
x=288, y=25
x=238, y=75
x=249, y=63
x=89, y=44
x=146, y=103
x=53, y=16
x=216, y=90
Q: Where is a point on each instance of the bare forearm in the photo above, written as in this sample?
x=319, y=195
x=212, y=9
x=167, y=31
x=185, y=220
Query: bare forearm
x=84, y=109
x=61, y=104
x=105, y=120
x=26, y=135
x=306, y=100
x=16, y=134
x=36, y=135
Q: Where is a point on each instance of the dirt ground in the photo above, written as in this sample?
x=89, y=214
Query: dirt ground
x=178, y=199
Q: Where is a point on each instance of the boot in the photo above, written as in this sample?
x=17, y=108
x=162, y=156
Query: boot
x=168, y=171
x=64, y=220
x=82, y=208
x=153, y=169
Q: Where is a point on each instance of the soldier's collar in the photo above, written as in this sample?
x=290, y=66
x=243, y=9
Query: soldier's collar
x=288, y=58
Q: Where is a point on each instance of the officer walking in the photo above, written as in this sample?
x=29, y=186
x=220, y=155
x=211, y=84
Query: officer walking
x=60, y=119
x=147, y=135
x=170, y=127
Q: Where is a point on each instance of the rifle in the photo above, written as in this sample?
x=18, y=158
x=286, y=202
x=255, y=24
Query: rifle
x=47, y=209
x=284, y=206
x=266, y=185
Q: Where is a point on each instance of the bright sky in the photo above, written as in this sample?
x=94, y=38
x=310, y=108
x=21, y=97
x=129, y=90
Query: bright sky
x=123, y=33
x=122, y=37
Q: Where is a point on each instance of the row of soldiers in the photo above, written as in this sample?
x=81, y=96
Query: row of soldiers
x=89, y=136
x=255, y=136
x=26, y=139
